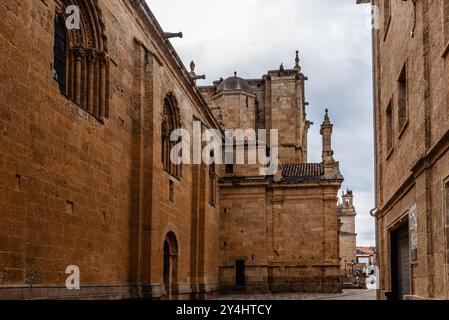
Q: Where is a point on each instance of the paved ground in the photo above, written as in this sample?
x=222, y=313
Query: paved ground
x=346, y=295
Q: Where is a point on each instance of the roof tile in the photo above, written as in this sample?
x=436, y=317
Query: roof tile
x=302, y=171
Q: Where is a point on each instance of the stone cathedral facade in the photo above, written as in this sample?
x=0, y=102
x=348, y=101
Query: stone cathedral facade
x=278, y=232
x=86, y=178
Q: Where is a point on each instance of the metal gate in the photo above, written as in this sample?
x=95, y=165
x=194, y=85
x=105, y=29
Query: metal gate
x=400, y=262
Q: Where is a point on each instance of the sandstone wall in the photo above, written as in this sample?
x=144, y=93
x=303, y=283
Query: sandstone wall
x=414, y=171
x=75, y=191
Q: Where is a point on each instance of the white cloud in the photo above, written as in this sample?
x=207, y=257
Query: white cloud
x=333, y=38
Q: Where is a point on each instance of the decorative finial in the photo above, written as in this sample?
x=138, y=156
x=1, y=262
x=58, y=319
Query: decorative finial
x=193, y=75
x=235, y=73
x=281, y=68
x=297, y=61
x=326, y=116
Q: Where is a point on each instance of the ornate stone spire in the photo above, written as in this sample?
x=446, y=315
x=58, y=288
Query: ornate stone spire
x=331, y=167
x=326, y=132
x=297, y=66
x=193, y=75
x=326, y=116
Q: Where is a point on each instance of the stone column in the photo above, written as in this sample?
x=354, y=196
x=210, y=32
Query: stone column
x=102, y=83
x=326, y=132
x=91, y=60
x=78, y=54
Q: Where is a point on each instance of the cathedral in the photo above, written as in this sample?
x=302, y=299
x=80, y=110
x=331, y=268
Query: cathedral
x=87, y=182
x=277, y=232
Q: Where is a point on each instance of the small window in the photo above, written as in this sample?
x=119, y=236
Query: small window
x=229, y=161
x=69, y=207
x=18, y=182
x=171, y=191
x=402, y=98
x=212, y=184
x=268, y=152
x=389, y=128
x=60, y=54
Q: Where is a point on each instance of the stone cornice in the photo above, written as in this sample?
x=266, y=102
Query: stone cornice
x=268, y=181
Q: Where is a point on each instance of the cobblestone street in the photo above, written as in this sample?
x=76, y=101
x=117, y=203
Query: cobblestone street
x=346, y=295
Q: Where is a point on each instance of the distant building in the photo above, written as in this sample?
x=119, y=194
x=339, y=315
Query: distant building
x=365, y=255
x=347, y=236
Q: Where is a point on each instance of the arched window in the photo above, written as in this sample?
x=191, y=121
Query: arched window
x=170, y=122
x=83, y=75
x=60, y=54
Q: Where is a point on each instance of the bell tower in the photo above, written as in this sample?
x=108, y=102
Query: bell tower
x=285, y=111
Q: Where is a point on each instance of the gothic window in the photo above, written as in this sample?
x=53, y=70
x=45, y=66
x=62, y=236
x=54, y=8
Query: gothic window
x=81, y=64
x=60, y=54
x=170, y=122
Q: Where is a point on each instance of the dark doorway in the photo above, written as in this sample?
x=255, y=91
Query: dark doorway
x=400, y=263
x=240, y=273
x=167, y=280
x=170, y=266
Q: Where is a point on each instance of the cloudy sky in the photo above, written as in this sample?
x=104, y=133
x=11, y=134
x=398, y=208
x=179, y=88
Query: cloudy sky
x=333, y=38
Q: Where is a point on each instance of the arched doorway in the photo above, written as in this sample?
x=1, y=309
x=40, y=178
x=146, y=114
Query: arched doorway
x=170, y=264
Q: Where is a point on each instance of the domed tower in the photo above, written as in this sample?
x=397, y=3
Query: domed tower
x=233, y=84
x=234, y=103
